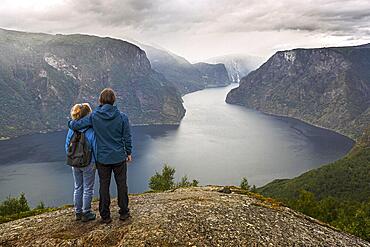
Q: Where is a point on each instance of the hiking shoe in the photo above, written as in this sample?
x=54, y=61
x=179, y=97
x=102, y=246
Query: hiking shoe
x=124, y=216
x=105, y=220
x=78, y=216
x=88, y=216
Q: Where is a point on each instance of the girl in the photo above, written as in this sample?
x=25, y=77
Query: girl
x=83, y=177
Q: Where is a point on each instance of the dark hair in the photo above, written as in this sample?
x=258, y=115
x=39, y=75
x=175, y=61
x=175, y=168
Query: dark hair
x=107, y=96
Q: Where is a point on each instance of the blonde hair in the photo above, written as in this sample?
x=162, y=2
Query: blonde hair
x=80, y=110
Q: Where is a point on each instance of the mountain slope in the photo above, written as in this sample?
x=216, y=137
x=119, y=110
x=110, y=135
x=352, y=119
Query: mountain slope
x=337, y=193
x=213, y=75
x=185, y=76
x=237, y=65
x=42, y=76
x=329, y=87
x=345, y=179
x=185, y=217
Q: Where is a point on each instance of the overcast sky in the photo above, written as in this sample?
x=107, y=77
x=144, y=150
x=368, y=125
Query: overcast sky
x=199, y=29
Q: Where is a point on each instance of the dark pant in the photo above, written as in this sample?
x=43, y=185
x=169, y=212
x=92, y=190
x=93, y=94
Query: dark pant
x=120, y=176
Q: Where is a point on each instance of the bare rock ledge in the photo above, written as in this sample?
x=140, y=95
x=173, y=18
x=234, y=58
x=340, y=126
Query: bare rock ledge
x=201, y=216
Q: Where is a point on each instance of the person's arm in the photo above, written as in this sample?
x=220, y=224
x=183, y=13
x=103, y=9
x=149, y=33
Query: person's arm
x=68, y=139
x=127, y=136
x=81, y=123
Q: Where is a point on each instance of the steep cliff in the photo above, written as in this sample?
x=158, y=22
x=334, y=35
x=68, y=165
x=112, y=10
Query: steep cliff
x=185, y=76
x=237, y=65
x=213, y=75
x=200, y=216
x=329, y=87
x=42, y=76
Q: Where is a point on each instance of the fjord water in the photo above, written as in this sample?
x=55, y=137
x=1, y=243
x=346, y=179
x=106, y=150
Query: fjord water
x=216, y=143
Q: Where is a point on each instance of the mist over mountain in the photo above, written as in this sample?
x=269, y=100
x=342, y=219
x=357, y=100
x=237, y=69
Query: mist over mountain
x=185, y=76
x=42, y=76
x=237, y=65
x=213, y=75
x=329, y=87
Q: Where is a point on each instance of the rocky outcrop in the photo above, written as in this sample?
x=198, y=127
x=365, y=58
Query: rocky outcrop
x=42, y=76
x=201, y=216
x=329, y=87
x=185, y=76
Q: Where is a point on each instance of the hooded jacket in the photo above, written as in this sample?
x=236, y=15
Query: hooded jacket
x=112, y=132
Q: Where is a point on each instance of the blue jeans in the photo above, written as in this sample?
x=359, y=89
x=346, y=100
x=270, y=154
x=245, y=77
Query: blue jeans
x=84, y=179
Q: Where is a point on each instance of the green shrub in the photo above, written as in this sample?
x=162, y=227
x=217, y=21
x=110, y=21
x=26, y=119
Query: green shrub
x=41, y=205
x=347, y=215
x=244, y=184
x=185, y=183
x=13, y=205
x=254, y=189
x=13, y=208
x=163, y=181
x=166, y=180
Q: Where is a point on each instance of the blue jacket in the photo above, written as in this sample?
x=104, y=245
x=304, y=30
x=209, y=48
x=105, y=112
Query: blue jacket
x=90, y=136
x=112, y=131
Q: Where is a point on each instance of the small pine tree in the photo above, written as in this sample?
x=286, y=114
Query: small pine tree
x=306, y=203
x=194, y=183
x=40, y=205
x=184, y=182
x=244, y=184
x=254, y=189
x=23, y=203
x=163, y=181
x=14, y=205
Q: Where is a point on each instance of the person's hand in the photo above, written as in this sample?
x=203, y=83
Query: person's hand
x=129, y=158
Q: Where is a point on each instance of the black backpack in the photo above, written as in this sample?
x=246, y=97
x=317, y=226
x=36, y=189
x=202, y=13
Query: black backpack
x=79, y=150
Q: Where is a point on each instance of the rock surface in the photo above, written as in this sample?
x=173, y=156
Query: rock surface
x=201, y=216
x=329, y=87
x=42, y=76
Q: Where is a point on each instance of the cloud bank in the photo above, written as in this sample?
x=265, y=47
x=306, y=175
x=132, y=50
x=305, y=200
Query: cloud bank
x=199, y=29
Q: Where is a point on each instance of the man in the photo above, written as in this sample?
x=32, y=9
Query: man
x=113, y=138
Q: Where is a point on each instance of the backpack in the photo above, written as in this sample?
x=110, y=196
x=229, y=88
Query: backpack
x=79, y=150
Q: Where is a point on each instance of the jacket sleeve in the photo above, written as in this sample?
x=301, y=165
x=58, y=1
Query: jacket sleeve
x=127, y=134
x=68, y=139
x=81, y=123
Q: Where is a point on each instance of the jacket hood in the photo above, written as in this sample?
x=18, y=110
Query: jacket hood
x=107, y=111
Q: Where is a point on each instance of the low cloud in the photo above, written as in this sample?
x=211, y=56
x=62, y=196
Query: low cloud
x=163, y=21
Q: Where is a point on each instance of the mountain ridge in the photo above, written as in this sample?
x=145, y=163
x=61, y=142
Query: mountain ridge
x=327, y=87
x=43, y=75
x=187, y=77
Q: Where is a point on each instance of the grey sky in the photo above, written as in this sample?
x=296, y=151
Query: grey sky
x=198, y=29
